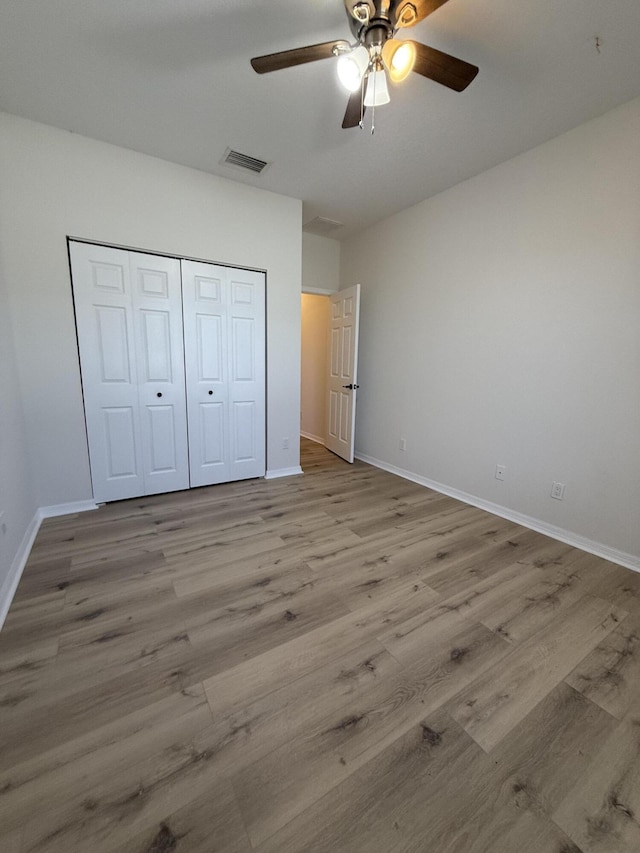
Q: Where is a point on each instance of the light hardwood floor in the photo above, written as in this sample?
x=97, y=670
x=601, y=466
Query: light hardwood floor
x=343, y=661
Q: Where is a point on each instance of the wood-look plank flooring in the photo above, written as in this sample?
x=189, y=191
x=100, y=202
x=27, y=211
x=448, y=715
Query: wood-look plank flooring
x=343, y=661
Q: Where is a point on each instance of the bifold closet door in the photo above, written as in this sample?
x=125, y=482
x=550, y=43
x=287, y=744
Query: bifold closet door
x=129, y=320
x=224, y=335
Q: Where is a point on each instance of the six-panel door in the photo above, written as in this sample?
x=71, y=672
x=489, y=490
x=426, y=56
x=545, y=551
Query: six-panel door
x=130, y=341
x=343, y=371
x=224, y=327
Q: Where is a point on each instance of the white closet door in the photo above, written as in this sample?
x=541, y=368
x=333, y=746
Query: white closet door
x=130, y=341
x=157, y=304
x=224, y=333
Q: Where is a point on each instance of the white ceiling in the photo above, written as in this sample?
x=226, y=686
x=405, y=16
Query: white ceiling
x=172, y=78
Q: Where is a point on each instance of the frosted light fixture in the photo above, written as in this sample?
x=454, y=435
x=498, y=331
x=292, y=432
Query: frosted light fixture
x=399, y=57
x=352, y=67
x=377, y=89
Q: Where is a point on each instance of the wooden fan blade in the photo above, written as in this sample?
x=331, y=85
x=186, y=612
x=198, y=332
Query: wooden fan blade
x=354, y=110
x=298, y=56
x=425, y=7
x=445, y=69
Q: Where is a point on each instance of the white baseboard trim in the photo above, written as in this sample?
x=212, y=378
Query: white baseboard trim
x=66, y=509
x=312, y=437
x=629, y=561
x=282, y=472
x=10, y=585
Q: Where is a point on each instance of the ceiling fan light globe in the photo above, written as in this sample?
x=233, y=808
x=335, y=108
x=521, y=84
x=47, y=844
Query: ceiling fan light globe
x=351, y=68
x=399, y=57
x=377, y=90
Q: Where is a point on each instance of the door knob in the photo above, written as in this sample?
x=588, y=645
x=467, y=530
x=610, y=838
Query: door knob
x=351, y=386
x=159, y=394
x=210, y=393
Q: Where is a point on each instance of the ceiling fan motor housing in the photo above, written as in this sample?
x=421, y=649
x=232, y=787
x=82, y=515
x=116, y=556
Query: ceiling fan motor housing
x=375, y=36
x=383, y=16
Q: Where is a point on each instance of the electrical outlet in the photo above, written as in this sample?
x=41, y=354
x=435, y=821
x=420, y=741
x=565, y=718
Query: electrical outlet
x=501, y=472
x=403, y=444
x=285, y=443
x=557, y=491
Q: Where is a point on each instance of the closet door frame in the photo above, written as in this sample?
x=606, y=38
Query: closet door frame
x=137, y=485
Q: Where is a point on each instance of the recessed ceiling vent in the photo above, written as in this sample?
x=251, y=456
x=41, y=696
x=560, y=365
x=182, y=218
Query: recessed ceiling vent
x=244, y=161
x=322, y=225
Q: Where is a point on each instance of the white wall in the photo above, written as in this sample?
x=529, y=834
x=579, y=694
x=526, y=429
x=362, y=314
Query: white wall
x=314, y=366
x=17, y=500
x=501, y=324
x=320, y=263
x=56, y=184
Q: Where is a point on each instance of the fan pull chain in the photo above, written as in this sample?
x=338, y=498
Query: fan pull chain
x=373, y=107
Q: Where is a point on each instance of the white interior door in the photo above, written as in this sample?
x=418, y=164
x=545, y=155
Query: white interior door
x=343, y=371
x=157, y=302
x=224, y=334
x=130, y=340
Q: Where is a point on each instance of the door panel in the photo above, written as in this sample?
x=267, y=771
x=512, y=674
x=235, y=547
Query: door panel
x=131, y=351
x=209, y=342
x=157, y=302
x=343, y=434
x=152, y=282
x=212, y=436
x=113, y=344
x=346, y=368
x=106, y=277
x=105, y=323
x=334, y=369
x=156, y=346
x=244, y=428
x=243, y=364
x=162, y=439
x=225, y=369
x=343, y=371
x=247, y=374
x=204, y=307
x=119, y=442
x=333, y=413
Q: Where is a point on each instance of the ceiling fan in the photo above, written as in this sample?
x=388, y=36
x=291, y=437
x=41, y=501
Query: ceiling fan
x=364, y=65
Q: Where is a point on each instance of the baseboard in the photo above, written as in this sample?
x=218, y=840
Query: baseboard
x=629, y=561
x=10, y=585
x=312, y=437
x=282, y=472
x=66, y=509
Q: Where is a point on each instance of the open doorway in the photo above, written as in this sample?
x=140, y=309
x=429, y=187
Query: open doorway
x=315, y=322
x=329, y=369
